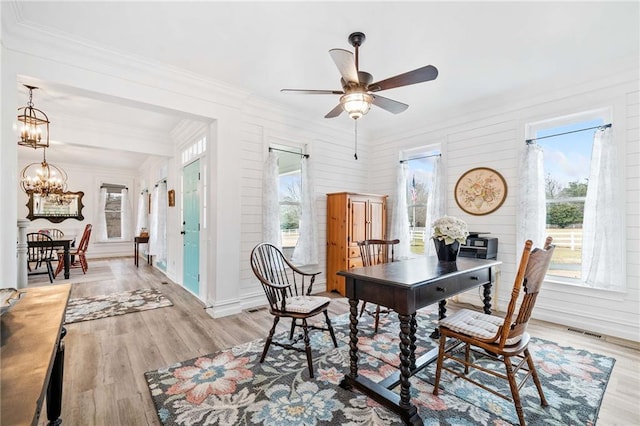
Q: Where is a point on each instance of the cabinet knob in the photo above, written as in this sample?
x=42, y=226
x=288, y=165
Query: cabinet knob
x=441, y=289
x=474, y=278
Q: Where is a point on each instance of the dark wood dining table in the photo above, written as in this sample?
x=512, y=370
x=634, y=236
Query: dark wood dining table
x=405, y=287
x=61, y=242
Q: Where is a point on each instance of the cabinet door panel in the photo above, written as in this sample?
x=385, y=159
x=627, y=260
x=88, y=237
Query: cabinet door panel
x=358, y=221
x=377, y=220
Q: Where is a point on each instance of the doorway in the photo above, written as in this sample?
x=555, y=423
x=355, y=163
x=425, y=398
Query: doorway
x=191, y=227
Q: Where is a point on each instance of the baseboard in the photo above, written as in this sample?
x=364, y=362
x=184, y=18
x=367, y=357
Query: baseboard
x=224, y=308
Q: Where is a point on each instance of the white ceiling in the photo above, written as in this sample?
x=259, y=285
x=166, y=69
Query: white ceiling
x=483, y=50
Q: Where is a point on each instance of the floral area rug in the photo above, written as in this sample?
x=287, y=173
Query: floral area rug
x=231, y=387
x=126, y=302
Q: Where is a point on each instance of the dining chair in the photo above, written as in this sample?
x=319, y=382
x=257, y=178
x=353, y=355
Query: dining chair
x=490, y=337
x=40, y=253
x=288, y=290
x=79, y=253
x=374, y=252
x=55, y=233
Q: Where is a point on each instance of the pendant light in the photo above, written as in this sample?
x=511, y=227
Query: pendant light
x=33, y=124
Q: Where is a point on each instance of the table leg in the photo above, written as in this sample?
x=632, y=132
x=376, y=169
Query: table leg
x=442, y=313
x=487, y=298
x=405, y=363
x=412, y=337
x=67, y=261
x=346, y=383
x=54, y=390
x=135, y=256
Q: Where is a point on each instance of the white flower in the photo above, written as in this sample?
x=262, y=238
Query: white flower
x=450, y=229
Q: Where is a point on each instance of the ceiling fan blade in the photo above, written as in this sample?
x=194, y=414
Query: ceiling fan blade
x=313, y=92
x=334, y=112
x=389, y=104
x=346, y=64
x=419, y=75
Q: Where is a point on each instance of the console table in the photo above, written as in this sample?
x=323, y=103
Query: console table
x=136, y=243
x=405, y=287
x=32, y=354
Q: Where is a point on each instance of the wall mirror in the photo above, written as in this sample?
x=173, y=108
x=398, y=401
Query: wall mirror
x=56, y=208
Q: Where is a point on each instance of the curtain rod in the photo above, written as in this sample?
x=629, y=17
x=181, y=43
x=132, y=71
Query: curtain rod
x=144, y=191
x=419, y=158
x=113, y=186
x=604, y=126
x=160, y=181
x=290, y=152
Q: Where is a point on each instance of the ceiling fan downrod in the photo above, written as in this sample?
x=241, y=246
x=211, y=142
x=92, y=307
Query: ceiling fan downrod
x=356, y=39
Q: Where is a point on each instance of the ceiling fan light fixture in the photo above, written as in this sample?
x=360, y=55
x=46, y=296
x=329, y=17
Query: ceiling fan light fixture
x=33, y=124
x=356, y=104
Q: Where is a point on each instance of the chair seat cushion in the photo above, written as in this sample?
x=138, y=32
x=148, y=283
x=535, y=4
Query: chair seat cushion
x=305, y=304
x=476, y=324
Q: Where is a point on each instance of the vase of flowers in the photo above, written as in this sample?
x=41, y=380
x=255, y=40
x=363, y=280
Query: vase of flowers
x=448, y=233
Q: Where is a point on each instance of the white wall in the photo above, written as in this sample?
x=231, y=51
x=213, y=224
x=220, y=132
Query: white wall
x=493, y=136
x=87, y=180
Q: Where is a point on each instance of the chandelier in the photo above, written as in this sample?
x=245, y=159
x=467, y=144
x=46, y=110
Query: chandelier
x=34, y=124
x=43, y=179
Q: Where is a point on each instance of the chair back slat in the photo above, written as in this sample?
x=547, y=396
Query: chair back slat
x=374, y=252
x=531, y=272
x=36, y=254
x=280, y=279
x=84, y=241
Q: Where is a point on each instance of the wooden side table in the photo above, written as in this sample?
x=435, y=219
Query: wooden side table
x=32, y=355
x=136, y=243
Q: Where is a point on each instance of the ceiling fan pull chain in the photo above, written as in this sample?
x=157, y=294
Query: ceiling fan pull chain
x=356, y=147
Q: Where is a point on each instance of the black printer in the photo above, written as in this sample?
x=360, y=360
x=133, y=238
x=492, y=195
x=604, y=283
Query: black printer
x=479, y=247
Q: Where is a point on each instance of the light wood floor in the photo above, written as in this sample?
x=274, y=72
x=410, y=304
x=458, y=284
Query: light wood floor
x=106, y=359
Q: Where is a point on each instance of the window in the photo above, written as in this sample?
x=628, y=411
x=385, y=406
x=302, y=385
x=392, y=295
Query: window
x=113, y=210
x=289, y=195
x=419, y=181
x=194, y=150
x=566, y=147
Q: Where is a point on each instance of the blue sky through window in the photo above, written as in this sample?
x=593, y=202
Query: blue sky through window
x=567, y=157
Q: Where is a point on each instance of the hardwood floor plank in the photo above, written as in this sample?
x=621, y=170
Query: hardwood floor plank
x=106, y=359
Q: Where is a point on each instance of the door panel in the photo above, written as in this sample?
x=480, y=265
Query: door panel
x=376, y=220
x=358, y=221
x=191, y=227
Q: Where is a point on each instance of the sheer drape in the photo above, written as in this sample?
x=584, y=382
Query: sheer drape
x=158, y=228
x=435, y=204
x=126, y=219
x=400, y=218
x=142, y=220
x=270, y=204
x=603, y=241
x=532, y=205
x=101, y=226
x=306, y=251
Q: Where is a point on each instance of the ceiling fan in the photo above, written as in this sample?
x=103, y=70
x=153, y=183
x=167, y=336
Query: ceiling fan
x=358, y=91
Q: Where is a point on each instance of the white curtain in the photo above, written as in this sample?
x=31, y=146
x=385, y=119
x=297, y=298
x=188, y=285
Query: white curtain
x=101, y=226
x=270, y=204
x=435, y=204
x=142, y=220
x=126, y=219
x=532, y=205
x=306, y=251
x=400, y=218
x=158, y=228
x=603, y=242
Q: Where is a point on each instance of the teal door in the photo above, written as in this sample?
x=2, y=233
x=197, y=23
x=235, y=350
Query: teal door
x=191, y=227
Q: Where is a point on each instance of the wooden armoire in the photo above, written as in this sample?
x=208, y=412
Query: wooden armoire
x=351, y=217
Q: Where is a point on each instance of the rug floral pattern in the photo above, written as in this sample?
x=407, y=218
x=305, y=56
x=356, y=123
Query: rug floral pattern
x=95, y=307
x=231, y=387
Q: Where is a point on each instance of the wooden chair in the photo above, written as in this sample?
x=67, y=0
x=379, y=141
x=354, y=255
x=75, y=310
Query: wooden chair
x=500, y=339
x=288, y=291
x=55, y=233
x=372, y=253
x=42, y=253
x=78, y=253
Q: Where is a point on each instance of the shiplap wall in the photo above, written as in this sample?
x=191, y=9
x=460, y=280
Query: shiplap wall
x=334, y=169
x=494, y=137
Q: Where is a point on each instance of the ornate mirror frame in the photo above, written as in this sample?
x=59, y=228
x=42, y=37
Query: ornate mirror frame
x=56, y=208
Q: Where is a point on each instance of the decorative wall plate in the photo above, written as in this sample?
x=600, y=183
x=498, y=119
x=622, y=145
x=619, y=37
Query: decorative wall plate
x=480, y=191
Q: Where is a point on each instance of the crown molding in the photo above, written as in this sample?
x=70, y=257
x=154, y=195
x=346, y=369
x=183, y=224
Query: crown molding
x=25, y=37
